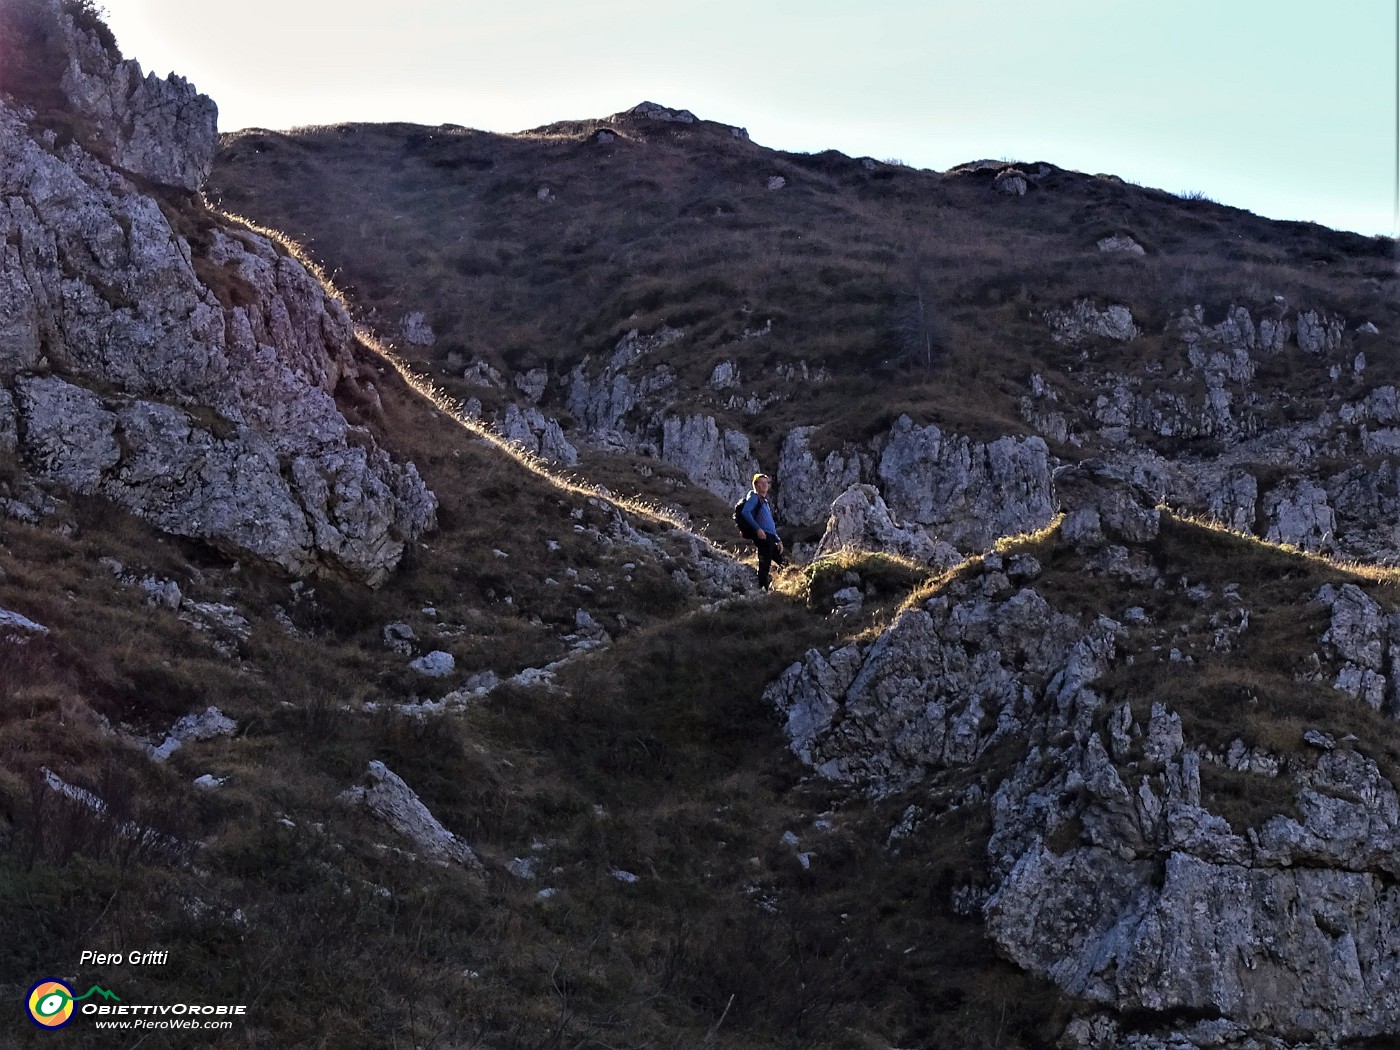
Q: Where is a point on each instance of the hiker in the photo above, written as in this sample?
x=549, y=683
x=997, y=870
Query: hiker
x=755, y=520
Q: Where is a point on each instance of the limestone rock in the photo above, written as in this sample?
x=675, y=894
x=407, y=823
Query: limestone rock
x=1120, y=244
x=1084, y=321
x=599, y=403
x=216, y=420
x=861, y=521
x=163, y=130
x=193, y=727
x=394, y=802
x=15, y=627
x=532, y=384
x=1236, y=332
x=1319, y=333
x=1011, y=182
x=935, y=689
x=481, y=373
x=435, y=664
x=1101, y=504
x=537, y=433
x=806, y=486
x=417, y=330
x=1359, y=638
x=1299, y=514
x=967, y=493
x=720, y=462
x=652, y=111
x=725, y=375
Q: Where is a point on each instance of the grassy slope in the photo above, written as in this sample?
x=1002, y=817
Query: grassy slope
x=675, y=224
x=659, y=759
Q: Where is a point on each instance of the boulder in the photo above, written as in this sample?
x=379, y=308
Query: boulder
x=1120, y=244
x=436, y=664
x=193, y=727
x=392, y=801
x=417, y=330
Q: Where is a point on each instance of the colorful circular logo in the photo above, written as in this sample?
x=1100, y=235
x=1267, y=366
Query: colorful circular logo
x=51, y=1004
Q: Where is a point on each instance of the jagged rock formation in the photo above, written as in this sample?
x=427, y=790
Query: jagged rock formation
x=166, y=359
x=967, y=493
x=1110, y=871
x=544, y=437
x=1210, y=437
x=860, y=520
x=1084, y=321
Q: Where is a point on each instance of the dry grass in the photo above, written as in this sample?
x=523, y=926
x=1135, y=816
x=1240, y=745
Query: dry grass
x=676, y=225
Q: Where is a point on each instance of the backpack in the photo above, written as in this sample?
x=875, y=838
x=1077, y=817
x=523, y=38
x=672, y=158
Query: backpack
x=745, y=529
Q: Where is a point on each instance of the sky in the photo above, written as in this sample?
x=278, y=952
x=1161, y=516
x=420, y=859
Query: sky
x=1284, y=107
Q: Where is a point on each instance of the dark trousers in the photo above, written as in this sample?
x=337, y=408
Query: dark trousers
x=768, y=554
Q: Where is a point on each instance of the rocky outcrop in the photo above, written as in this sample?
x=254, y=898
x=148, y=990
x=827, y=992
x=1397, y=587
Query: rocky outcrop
x=1161, y=906
x=1300, y=515
x=808, y=486
x=720, y=461
x=538, y=434
x=187, y=374
x=938, y=687
x=1011, y=182
x=1110, y=870
x=1362, y=642
x=1319, y=333
x=1084, y=321
x=968, y=494
x=861, y=521
x=600, y=402
x=159, y=129
x=654, y=111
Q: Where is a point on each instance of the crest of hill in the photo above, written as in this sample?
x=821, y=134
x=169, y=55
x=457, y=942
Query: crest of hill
x=537, y=249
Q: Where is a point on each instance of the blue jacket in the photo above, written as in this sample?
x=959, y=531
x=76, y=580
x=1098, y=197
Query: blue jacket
x=757, y=514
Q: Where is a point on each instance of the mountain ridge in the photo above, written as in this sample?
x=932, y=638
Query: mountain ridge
x=550, y=772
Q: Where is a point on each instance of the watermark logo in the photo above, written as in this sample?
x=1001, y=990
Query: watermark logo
x=51, y=1002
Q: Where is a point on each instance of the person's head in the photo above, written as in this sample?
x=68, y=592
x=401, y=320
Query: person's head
x=761, y=483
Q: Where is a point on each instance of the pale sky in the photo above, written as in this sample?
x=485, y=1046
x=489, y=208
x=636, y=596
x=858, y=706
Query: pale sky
x=1283, y=107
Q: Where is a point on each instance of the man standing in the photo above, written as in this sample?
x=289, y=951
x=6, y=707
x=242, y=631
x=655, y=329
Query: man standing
x=756, y=517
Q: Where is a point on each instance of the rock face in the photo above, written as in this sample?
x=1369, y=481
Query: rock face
x=1165, y=908
x=717, y=460
x=968, y=494
x=1111, y=872
x=1084, y=321
x=806, y=486
x=162, y=130
x=187, y=376
x=861, y=521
